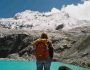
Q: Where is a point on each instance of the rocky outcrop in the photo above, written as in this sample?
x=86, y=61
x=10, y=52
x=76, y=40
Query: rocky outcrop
x=15, y=43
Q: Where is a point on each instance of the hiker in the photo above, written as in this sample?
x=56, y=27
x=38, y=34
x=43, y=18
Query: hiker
x=64, y=68
x=43, y=52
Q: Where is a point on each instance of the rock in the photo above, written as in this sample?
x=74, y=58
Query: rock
x=59, y=27
x=13, y=56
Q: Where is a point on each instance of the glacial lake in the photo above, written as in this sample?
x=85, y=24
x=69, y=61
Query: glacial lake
x=31, y=65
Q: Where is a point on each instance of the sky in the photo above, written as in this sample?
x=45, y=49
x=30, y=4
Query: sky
x=8, y=8
x=81, y=11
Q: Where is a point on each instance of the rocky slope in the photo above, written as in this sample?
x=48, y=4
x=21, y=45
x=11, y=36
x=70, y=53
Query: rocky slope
x=71, y=46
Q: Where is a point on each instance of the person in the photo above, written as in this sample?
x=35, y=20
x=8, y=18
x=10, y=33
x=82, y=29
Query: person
x=43, y=52
x=64, y=68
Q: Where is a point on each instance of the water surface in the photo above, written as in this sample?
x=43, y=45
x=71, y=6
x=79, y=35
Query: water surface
x=31, y=65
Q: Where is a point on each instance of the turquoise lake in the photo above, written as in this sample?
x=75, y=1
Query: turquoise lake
x=31, y=65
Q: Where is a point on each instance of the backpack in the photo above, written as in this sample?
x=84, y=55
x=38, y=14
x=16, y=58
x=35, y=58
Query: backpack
x=41, y=51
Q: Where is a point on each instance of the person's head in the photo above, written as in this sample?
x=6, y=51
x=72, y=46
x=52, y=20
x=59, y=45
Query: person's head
x=44, y=36
x=64, y=68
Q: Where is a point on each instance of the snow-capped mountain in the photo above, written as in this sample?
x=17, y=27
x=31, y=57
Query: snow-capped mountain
x=34, y=20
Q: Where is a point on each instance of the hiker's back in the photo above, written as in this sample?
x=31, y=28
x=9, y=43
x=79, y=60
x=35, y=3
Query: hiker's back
x=41, y=49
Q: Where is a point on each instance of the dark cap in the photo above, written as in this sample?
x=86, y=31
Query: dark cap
x=44, y=35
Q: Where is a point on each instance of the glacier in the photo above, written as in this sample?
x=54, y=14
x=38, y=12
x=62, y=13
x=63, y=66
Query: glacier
x=35, y=20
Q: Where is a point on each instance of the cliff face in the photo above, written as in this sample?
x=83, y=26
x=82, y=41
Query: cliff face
x=71, y=46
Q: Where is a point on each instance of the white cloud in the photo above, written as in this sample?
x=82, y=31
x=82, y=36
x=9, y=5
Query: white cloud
x=54, y=10
x=81, y=11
